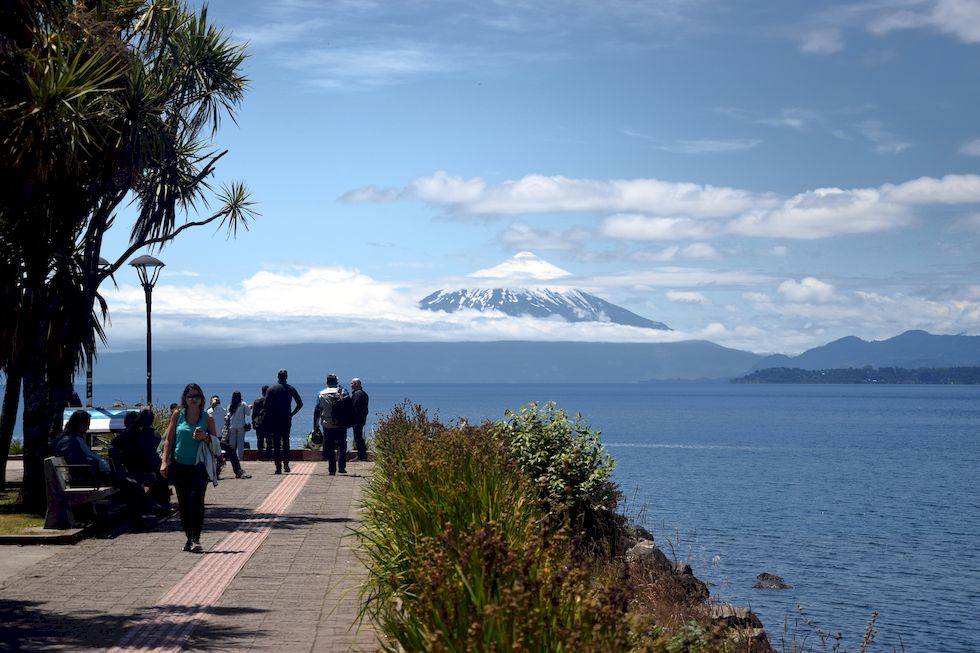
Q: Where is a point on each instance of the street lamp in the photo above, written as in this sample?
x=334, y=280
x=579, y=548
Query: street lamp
x=148, y=269
x=102, y=265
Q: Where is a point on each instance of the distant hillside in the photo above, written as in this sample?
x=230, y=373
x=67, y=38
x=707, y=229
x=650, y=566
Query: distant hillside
x=867, y=375
x=911, y=350
x=429, y=362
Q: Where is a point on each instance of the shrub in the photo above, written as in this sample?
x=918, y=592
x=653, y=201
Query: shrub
x=16, y=447
x=567, y=463
x=461, y=557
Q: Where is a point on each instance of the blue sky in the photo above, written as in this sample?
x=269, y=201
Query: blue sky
x=766, y=175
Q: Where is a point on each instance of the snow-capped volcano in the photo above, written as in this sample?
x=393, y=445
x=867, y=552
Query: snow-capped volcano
x=573, y=305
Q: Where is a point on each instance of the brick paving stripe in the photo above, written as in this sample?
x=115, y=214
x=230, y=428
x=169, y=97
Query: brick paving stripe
x=170, y=622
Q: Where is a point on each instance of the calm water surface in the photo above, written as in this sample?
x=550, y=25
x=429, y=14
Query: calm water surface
x=864, y=498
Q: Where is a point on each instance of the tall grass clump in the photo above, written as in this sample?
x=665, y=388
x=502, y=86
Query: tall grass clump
x=568, y=466
x=461, y=556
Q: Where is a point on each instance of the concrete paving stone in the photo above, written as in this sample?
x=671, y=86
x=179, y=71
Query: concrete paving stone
x=299, y=587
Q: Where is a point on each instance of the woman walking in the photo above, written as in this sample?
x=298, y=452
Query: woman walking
x=238, y=413
x=189, y=452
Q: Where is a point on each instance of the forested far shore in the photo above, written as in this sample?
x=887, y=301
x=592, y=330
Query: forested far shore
x=867, y=374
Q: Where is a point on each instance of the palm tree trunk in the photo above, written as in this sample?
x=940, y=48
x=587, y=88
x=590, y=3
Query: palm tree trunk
x=37, y=431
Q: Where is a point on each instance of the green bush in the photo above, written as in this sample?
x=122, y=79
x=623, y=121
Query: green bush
x=566, y=462
x=16, y=447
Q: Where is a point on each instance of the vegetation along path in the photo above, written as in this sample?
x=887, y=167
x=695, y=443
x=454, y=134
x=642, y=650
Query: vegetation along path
x=279, y=573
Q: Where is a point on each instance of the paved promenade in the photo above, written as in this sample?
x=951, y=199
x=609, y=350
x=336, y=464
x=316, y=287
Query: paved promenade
x=278, y=574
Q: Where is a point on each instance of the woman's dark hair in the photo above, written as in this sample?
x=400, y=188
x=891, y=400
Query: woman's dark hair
x=76, y=420
x=236, y=401
x=192, y=389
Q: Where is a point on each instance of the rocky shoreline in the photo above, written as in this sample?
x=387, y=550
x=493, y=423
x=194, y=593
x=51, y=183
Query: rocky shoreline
x=685, y=588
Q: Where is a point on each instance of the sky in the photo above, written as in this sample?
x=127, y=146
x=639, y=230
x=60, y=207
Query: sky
x=769, y=176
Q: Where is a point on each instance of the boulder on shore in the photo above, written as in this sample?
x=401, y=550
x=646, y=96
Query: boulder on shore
x=767, y=581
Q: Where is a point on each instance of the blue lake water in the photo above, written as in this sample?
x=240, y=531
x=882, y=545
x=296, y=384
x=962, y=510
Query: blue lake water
x=864, y=498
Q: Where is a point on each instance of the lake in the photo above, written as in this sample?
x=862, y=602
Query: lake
x=864, y=498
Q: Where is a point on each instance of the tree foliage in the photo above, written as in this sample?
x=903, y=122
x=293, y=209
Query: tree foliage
x=102, y=102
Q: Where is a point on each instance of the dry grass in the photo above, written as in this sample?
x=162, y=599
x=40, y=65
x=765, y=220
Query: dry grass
x=13, y=519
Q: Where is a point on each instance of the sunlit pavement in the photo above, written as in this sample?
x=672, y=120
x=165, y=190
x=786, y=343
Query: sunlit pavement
x=278, y=573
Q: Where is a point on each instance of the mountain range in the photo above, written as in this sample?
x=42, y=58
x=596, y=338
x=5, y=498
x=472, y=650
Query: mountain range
x=572, y=305
x=523, y=361
x=912, y=349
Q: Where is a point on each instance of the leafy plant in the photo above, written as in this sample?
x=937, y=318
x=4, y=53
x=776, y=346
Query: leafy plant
x=566, y=462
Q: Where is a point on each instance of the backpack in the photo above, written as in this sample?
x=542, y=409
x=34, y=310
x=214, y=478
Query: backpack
x=336, y=410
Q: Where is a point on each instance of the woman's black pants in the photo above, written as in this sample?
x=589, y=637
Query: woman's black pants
x=190, y=483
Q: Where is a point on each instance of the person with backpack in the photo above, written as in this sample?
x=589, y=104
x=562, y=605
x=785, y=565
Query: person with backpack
x=334, y=413
x=359, y=400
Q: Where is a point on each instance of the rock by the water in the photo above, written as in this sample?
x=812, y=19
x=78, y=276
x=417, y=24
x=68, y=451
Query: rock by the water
x=744, y=623
x=767, y=581
x=648, y=551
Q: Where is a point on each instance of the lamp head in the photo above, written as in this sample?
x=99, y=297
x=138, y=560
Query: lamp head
x=148, y=269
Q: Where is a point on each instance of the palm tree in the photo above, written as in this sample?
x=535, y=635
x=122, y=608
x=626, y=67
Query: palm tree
x=101, y=101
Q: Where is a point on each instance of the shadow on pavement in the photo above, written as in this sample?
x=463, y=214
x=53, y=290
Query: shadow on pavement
x=222, y=519
x=28, y=626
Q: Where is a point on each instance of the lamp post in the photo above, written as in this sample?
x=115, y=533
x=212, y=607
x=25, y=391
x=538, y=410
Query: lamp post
x=148, y=269
x=103, y=264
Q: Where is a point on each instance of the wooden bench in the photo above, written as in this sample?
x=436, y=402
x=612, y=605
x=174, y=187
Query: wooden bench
x=66, y=494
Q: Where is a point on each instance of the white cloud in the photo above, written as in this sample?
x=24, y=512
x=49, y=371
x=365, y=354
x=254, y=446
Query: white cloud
x=959, y=18
x=710, y=146
x=807, y=290
x=779, y=250
x=443, y=188
x=969, y=223
x=951, y=189
x=797, y=118
x=522, y=236
x=650, y=209
x=822, y=41
x=971, y=147
x=639, y=227
x=698, y=251
x=757, y=297
x=686, y=297
x=370, y=194
x=558, y=194
x=677, y=277
x=367, y=66
x=823, y=213
x=882, y=141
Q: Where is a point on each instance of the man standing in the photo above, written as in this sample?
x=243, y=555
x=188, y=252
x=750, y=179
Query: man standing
x=262, y=443
x=279, y=418
x=360, y=400
x=333, y=413
x=218, y=412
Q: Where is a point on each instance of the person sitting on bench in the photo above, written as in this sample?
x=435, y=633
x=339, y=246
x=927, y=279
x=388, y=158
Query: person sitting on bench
x=71, y=446
x=136, y=449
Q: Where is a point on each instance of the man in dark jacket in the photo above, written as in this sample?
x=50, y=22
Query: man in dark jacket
x=278, y=418
x=333, y=413
x=360, y=399
x=262, y=443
